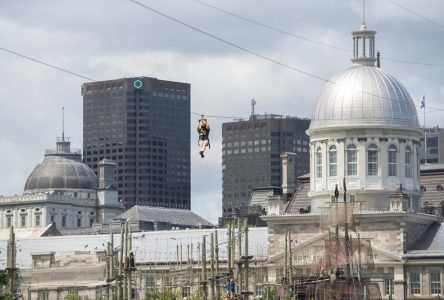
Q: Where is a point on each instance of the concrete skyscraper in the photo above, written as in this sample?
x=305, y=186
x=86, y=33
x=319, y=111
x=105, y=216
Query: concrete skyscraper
x=252, y=155
x=143, y=125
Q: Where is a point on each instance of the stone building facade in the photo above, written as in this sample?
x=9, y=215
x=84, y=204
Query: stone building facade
x=364, y=138
x=65, y=191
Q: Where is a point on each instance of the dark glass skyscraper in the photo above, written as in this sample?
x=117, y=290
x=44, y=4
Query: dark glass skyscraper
x=251, y=155
x=142, y=124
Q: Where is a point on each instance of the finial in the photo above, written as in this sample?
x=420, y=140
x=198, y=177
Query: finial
x=378, y=61
x=63, y=124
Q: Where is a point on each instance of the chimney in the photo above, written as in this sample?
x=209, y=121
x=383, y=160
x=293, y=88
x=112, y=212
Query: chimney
x=107, y=175
x=288, y=160
x=378, y=60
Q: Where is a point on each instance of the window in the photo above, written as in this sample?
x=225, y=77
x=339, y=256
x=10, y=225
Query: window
x=333, y=169
x=408, y=162
x=79, y=222
x=37, y=221
x=372, y=160
x=435, y=282
x=415, y=283
x=52, y=218
x=64, y=221
x=352, y=198
x=186, y=292
x=352, y=160
x=392, y=161
x=8, y=221
x=388, y=285
x=318, y=163
x=259, y=290
x=43, y=295
x=23, y=221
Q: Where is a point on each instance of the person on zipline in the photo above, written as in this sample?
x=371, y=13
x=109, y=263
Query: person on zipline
x=203, y=128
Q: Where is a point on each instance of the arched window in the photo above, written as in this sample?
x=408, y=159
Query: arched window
x=352, y=160
x=408, y=162
x=319, y=163
x=392, y=161
x=333, y=169
x=372, y=160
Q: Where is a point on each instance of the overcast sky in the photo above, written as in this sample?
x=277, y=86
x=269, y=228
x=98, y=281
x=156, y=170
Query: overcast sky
x=109, y=39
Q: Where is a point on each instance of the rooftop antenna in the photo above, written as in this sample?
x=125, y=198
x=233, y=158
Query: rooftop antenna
x=63, y=124
x=253, y=103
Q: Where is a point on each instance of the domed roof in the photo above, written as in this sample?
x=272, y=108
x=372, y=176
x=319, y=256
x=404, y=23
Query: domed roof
x=364, y=96
x=62, y=169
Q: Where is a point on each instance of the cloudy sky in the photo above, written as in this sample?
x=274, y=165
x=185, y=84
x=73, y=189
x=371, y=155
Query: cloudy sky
x=108, y=39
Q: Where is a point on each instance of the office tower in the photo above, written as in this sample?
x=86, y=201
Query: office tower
x=435, y=146
x=252, y=156
x=143, y=125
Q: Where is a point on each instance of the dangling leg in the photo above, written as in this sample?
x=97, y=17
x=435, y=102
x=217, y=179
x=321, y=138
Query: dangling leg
x=201, y=148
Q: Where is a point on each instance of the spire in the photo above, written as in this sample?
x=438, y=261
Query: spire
x=63, y=124
x=364, y=44
x=63, y=145
x=363, y=12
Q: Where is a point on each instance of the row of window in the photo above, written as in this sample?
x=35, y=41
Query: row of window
x=351, y=161
x=415, y=283
x=37, y=221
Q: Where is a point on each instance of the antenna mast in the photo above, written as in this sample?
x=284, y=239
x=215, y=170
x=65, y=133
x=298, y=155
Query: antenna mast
x=363, y=12
x=253, y=103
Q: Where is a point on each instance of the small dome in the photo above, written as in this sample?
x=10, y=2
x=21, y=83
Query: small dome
x=59, y=172
x=364, y=96
x=62, y=169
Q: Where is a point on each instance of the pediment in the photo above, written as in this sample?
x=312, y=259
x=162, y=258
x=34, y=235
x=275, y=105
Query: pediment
x=306, y=252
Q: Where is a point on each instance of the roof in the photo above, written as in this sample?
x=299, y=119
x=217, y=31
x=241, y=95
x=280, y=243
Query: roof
x=260, y=196
x=148, y=247
x=364, y=96
x=431, y=243
x=431, y=168
x=62, y=169
x=175, y=216
x=299, y=199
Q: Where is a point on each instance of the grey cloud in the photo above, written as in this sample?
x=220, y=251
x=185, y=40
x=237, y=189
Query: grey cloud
x=114, y=38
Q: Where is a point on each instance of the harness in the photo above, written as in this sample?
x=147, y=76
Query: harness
x=203, y=134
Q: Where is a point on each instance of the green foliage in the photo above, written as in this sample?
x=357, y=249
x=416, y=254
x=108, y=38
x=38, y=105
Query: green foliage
x=197, y=295
x=3, y=277
x=290, y=295
x=172, y=294
x=5, y=296
x=164, y=294
x=270, y=293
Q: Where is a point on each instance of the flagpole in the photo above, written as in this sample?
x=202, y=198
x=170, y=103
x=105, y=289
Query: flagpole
x=425, y=132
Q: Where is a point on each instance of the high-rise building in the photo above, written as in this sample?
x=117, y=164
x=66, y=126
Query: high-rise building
x=434, y=145
x=252, y=155
x=142, y=124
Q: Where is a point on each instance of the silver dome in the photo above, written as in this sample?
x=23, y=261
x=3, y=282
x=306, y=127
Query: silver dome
x=364, y=96
x=61, y=171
